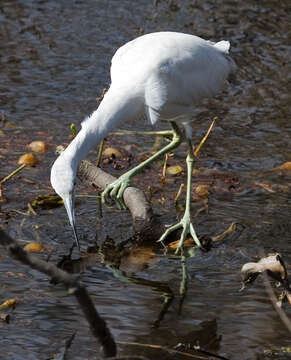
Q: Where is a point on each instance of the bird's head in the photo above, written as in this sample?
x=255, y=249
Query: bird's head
x=63, y=181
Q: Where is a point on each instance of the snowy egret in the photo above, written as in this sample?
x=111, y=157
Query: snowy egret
x=161, y=75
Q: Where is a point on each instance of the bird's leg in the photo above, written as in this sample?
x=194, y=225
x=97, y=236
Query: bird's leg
x=185, y=222
x=116, y=189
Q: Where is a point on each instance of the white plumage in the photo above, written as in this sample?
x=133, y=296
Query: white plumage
x=161, y=75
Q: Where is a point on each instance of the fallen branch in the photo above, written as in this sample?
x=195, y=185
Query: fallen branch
x=97, y=325
x=144, y=222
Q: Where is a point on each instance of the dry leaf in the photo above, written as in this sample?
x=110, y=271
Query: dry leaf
x=272, y=264
x=37, y=146
x=22, y=275
x=109, y=152
x=267, y=187
x=33, y=247
x=226, y=233
x=8, y=303
x=284, y=166
x=189, y=242
x=174, y=170
x=27, y=159
x=10, y=125
x=5, y=317
x=202, y=190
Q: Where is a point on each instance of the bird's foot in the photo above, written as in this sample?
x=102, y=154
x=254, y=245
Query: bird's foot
x=188, y=229
x=115, y=190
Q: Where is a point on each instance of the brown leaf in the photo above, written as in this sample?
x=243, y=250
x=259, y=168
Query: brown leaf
x=110, y=151
x=226, y=233
x=22, y=275
x=33, y=247
x=267, y=187
x=5, y=317
x=174, y=170
x=37, y=146
x=285, y=166
x=27, y=159
x=271, y=264
x=8, y=303
x=189, y=242
x=202, y=190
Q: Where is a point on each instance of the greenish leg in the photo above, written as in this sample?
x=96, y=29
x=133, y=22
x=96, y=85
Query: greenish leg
x=116, y=189
x=185, y=222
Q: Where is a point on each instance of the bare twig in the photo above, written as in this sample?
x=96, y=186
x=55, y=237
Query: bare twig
x=204, y=138
x=179, y=194
x=226, y=233
x=9, y=176
x=31, y=209
x=97, y=324
x=164, y=133
x=100, y=151
x=165, y=168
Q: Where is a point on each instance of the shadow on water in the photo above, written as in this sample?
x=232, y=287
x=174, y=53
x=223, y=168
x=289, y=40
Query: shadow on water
x=55, y=58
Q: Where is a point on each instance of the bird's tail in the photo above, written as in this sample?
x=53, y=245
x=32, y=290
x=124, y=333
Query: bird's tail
x=223, y=46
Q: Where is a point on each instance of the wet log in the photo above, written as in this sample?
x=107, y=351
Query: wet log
x=145, y=224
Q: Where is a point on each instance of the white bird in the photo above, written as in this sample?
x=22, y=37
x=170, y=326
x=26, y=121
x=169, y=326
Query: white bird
x=162, y=75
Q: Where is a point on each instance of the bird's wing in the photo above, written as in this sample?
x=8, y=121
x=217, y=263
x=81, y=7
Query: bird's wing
x=173, y=71
x=161, y=96
x=184, y=79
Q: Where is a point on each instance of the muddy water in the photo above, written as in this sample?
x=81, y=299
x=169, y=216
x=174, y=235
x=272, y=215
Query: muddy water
x=54, y=62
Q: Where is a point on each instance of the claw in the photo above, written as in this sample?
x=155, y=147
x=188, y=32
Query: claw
x=188, y=229
x=115, y=190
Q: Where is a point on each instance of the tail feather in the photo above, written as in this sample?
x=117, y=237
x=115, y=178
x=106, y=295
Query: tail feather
x=223, y=46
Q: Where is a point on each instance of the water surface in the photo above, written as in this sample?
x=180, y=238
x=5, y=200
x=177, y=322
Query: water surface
x=54, y=62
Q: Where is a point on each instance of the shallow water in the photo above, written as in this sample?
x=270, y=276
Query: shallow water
x=54, y=62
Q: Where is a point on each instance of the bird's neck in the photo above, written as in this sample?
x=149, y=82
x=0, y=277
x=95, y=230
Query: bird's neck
x=114, y=109
x=80, y=147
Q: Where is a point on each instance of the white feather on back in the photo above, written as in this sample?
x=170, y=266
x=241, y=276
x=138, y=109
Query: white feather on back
x=171, y=71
